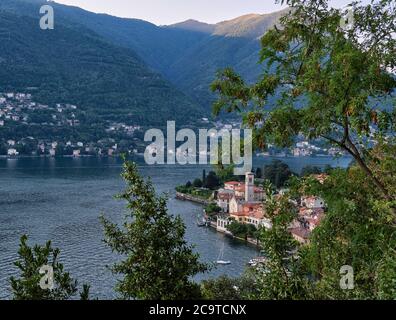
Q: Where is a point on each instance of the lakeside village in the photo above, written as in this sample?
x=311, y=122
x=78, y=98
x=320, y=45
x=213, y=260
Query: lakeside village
x=237, y=208
x=28, y=128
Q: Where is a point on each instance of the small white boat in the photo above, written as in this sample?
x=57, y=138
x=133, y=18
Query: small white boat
x=257, y=261
x=220, y=259
x=202, y=222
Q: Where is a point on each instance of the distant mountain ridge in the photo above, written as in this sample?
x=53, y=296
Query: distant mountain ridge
x=73, y=64
x=188, y=54
x=193, y=25
x=249, y=26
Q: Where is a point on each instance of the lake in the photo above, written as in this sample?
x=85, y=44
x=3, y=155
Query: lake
x=61, y=199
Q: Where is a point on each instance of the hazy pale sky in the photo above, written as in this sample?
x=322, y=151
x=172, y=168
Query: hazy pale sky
x=163, y=12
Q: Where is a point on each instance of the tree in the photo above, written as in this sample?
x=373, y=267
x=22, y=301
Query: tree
x=212, y=181
x=356, y=232
x=309, y=170
x=328, y=80
x=277, y=173
x=330, y=83
x=225, y=288
x=188, y=184
x=259, y=173
x=281, y=276
x=204, y=177
x=225, y=172
x=197, y=183
x=241, y=230
x=158, y=263
x=212, y=207
x=3, y=149
x=31, y=260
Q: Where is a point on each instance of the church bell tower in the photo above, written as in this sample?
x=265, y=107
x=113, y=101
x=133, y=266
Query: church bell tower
x=249, y=187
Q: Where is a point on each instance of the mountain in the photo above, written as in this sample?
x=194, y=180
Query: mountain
x=194, y=26
x=187, y=54
x=252, y=26
x=232, y=43
x=73, y=64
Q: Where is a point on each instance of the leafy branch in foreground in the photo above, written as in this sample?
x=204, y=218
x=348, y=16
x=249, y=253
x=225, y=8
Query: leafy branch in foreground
x=331, y=83
x=31, y=260
x=357, y=231
x=280, y=277
x=158, y=261
x=336, y=84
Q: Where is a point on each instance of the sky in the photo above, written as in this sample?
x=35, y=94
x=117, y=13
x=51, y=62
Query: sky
x=164, y=12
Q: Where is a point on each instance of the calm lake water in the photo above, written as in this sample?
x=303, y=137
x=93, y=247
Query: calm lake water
x=61, y=200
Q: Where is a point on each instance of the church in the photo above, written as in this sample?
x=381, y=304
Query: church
x=242, y=202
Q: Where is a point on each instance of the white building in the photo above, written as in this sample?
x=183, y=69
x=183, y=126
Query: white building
x=222, y=223
x=76, y=153
x=12, y=152
x=224, y=197
x=312, y=202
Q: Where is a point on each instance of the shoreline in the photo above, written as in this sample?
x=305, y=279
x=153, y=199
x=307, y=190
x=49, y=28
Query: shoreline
x=59, y=157
x=248, y=241
x=186, y=197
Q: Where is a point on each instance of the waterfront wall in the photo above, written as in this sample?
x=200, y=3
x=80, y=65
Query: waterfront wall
x=189, y=197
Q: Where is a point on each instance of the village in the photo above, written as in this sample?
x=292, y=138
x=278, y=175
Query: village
x=243, y=203
x=28, y=128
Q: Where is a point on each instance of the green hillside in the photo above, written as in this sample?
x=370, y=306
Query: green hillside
x=75, y=65
x=188, y=54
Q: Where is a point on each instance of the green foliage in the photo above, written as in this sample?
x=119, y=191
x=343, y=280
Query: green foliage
x=186, y=57
x=278, y=173
x=357, y=231
x=225, y=288
x=328, y=81
x=212, y=208
x=115, y=84
x=197, y=183
x=242, y=230
x=309, y=170
x=225, y=172
x=212, y=181
x=158, y=263
x=259, y=173
x=27, y=286
x=280, y=277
